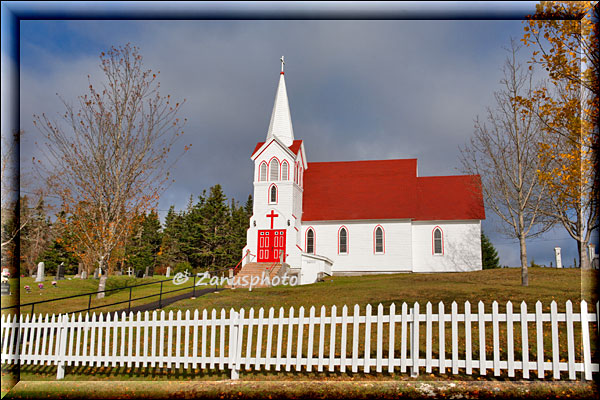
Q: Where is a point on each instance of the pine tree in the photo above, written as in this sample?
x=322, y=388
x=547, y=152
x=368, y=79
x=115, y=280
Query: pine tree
x=170, y=247
x=145, y=244
x=489, y=255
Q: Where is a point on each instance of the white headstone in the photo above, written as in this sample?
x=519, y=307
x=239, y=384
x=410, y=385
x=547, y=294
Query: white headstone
x=84, y=274
x=40, y=272
x=558, y=258
x=168, y=271
x=130, y=271
x=101, y=287
x=592, y=251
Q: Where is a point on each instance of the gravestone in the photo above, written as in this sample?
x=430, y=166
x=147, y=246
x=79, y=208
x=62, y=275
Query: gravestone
x=168, y=272
x=5, y=290
x=149, y=271
x=40, y=272
x=60, y=272
x=558, y=257
x=84, y=274
x=129, y=271
x=101, y=286
x=139, y=274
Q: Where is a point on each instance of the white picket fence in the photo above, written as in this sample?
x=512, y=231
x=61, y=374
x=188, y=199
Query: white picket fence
x=372, y=342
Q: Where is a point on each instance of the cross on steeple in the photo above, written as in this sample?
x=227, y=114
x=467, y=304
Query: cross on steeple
x=282, y=63
x=272, y=215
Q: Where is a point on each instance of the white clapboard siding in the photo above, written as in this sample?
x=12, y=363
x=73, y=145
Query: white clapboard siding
x=241, y=339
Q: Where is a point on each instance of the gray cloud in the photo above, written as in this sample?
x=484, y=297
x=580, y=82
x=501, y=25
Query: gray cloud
x=357, y=89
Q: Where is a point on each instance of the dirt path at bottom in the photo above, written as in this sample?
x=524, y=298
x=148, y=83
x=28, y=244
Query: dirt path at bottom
x=305, y=389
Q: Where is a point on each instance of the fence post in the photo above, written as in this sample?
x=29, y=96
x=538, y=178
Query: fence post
x=61, y=342
x=194, y=288
x=129, y=304
x=160, y=295
x=89, y=303
x=233, y=353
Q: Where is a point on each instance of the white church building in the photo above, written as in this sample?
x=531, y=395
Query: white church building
x=357, y=217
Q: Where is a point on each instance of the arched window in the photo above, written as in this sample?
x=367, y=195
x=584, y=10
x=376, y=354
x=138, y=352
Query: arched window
x=343, y=241
x=262, y=172
x=284, y=171
x=438, y=243
x=273, y=194
x=310, y=241
x=274, y=170
x=379, y=240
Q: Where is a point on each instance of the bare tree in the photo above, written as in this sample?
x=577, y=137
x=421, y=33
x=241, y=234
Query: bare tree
x=504, y=152
x=107, y=161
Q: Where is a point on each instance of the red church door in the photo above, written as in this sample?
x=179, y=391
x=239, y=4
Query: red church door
x=270, y=244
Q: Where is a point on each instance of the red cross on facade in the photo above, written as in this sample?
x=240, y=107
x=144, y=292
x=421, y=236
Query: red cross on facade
x=272, y=216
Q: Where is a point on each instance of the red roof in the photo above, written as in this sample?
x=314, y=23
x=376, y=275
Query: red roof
x=387, y=189
x=294, y=148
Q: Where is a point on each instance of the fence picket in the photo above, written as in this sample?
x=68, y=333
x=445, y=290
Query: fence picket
x=468, y=348
x=222, y=335
x=269, y=339
x=31, y=339
x=454, y=322
x=332, y=338
x=391, y=360
x=259, y=334
x=403, y=337
x=570, y=341
x=441, y=338
x=428, y=337
x=186, y=349
x=146, y=337
x=279, y=339
x=481, y=322
x=196, y=320
x=288, y=358
x=367, y=338
x=249, y=339
x=300, y=337
x=321, y=339
x=524, y=340
x=555, y=355
x=585, y=342
x=379, y=353
x=496, y=338
x=539, y=331
x=355, y=338
x=344, y=339
x=311, y=331
x=510, y=345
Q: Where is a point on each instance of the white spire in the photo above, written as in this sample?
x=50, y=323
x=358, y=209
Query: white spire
x=281, y=120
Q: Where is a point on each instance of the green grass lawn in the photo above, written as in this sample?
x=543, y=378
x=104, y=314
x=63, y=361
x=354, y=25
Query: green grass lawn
x=75, y=286
x=502, y=285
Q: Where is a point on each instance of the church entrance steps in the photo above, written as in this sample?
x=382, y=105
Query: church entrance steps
x=255, y=270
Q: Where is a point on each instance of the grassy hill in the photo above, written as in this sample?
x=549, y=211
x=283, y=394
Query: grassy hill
x=501, y=285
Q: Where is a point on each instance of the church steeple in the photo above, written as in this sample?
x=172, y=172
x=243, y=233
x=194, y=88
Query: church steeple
x=281, y=120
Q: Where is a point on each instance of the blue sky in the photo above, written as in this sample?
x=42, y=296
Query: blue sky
x=357, y=90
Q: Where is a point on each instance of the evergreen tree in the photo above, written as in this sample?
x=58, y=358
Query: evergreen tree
x=170, y=247
x=489, y=255
x=216, y=217
x=145, y=244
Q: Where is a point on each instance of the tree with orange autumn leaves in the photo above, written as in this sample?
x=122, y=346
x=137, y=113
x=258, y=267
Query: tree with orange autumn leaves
x=107, y=159
x=564, y=36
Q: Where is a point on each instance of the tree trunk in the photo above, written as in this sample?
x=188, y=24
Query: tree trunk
x=584, y=259
x=523, y=249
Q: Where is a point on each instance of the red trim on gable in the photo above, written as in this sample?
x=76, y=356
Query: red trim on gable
x=294, y=148
x=297, y=229
x=299, y=248
x=433, y=241
x=375, y=239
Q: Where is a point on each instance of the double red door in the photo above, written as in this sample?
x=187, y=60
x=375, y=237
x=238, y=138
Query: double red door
x=270, y=244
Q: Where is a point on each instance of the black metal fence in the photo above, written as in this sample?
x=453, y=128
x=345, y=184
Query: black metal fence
x=160, y=295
